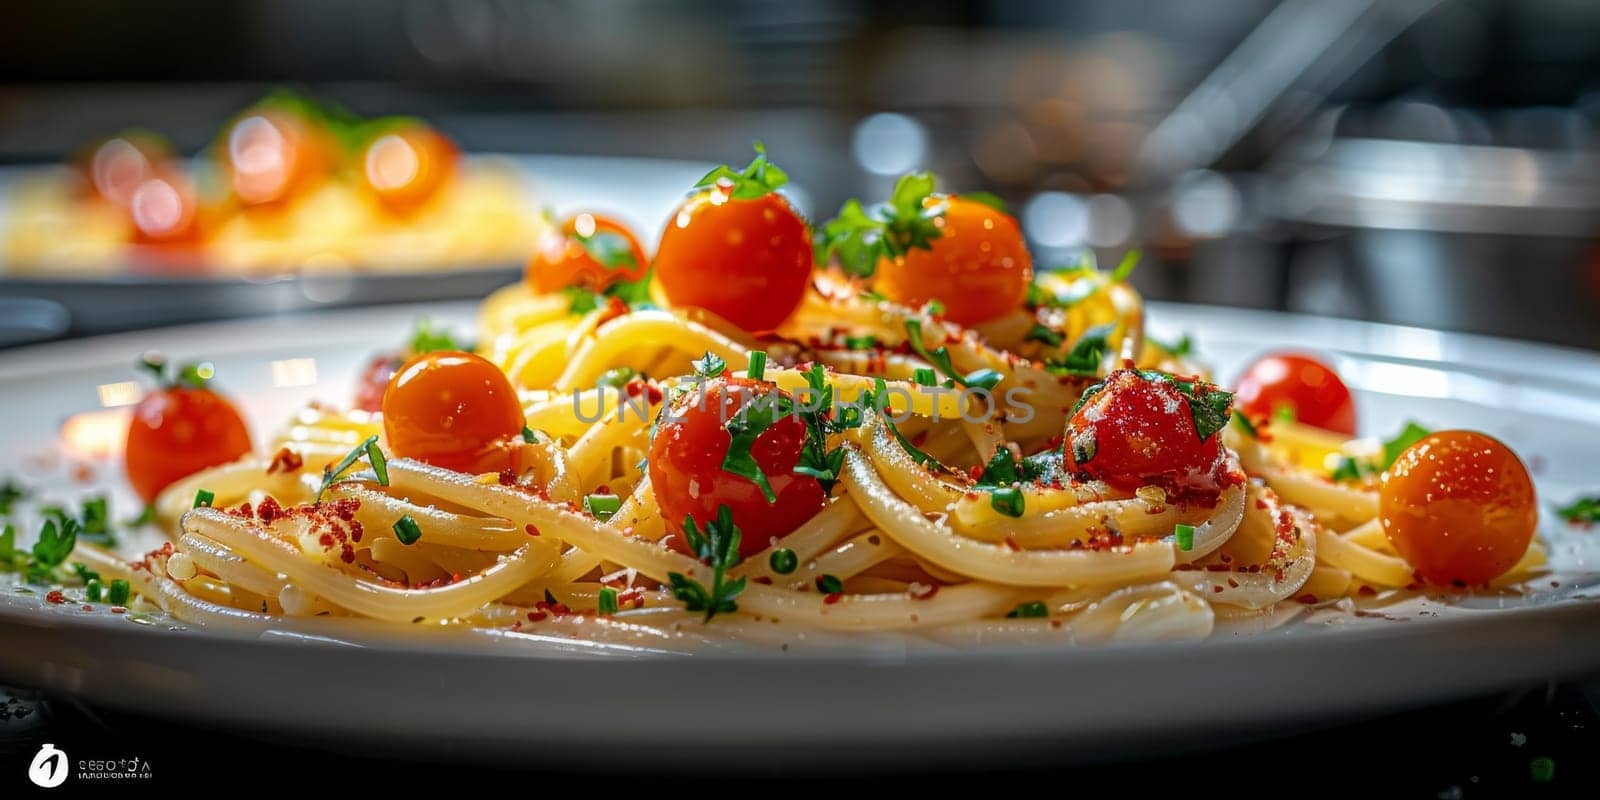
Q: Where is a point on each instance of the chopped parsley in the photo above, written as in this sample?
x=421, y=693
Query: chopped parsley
x=429, y=337
x=940, y=358
x=1402, y=441
x=204, y=498
x=717, y=546
x=1000, y=476
x=924, y=376
x=120, y=592
x=783, y=561
x=760, y=178
x=1040, y=332
x=83, y=573
x=879, y=400
x=10, y=493
x=860, y=236
x=1243, y=423
x=1350, y=469
x=337, y=472
x=753, y=419
x=865, y=342
x=1183, y=347
x=820, y=420
x=407, y=530
x=609, y=249
x=1582, y=510
x=608, y=602
x=1086, y=355
x=1033, y=610
x=528, y=435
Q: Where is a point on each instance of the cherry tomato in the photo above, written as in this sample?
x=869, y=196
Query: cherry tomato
x=1136, y=430
x=747, y=261
x=979, y=267
x=1459, y=508
x=406, y=165
x=118, y=165
x=177, y=431
x=451, y=409
x=588, y=250
x=374, y=382
x=689, y=481
x=1308, y=387
x=164, y=208
x=271, y=154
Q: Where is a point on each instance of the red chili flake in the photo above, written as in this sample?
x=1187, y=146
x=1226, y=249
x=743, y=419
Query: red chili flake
x=1308, y=599
x=87, y=607
x=1011, y=544
x=537, y=616
x=348, y=556
x=1233, y=584
x=763, y=580
x=244, y=510
x=82, y=472
x=326, y=540
x=1217, y=589
x=269, y=510
x=516, y=625
x=830, y=599
x=1367, y=591
x=531, y=529
x=922, y=591
x=507, y=477
x=119, y=610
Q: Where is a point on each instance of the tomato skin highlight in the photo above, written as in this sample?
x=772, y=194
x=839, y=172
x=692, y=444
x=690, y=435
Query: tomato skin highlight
x=406, y=166
x=979, y=267
x=748, y=261
x=178, y=431
x=1140, y=432
x=1459, y=507
x=271, y=155
x=1311, y=388
x=686, y=468
x=451, y=409
x=560, y=260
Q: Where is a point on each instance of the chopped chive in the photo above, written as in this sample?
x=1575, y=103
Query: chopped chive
x=608, y=601
x=91, y=591
x=758, y=365
x=710, y=365
x=829, y=584
x=867, y=342
x=601, y=506
x=407, y=530
x=203, y=498
x=1034, y=610
x=527, y=434
x=924, y=376
x=1243, y=423
x=783, y=561
x=1184, y=536
x=1007, y=500
x=380, y=465
x=120, y=592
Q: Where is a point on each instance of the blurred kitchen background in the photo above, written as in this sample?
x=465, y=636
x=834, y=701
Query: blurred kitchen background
x=1427, y=162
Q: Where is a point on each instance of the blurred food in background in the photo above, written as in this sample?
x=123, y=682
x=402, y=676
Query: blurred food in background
x=287, y=185
x=1425, y=162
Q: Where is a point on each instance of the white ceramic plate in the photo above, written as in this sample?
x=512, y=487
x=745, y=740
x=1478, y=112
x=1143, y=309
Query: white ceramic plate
x=883, y=702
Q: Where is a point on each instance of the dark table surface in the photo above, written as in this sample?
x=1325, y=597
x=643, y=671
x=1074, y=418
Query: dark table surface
x=1540, y=741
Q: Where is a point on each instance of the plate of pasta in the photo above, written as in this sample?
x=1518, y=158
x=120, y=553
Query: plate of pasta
x=879, y=480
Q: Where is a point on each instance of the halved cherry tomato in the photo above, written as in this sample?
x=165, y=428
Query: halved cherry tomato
x=686, y=467
x=588, y=250
x=978, y=267
x=1134, y=429
x=271, y=154
x=405, y=165
x=165, y=208
x=1303, y=385
x=452, y=409
x=1459, y=508
x=745, y=260
x=177, y=431
x=374, y=382
x=118, y=165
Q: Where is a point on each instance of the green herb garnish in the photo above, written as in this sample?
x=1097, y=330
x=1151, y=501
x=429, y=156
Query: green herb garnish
x=879, y=400
x=1007, y=500
x=1183, y=347
x=120, y=592
x=608, y=602
x=759, y=179
x=859, y=237
x=609, y=249
x=337, y=473
x=1034, y=610
x=1402, y=441
x=783, y=561
x=820, y=420
x=428, y=337
x=1086, y=355
x=616, y=378
x=939, y=357
x=602, y=506
x=1183, y=536
x=528, y=435
x=92, y=590
x=1040, y=332
x=867, y=342
x=203, y=498
x=709, y=365
x=829, y=584
x=1581, y=510
x=1243, y=423
x=407, y=530
x=757, y=370
x=717, y=547
x=10, y=493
